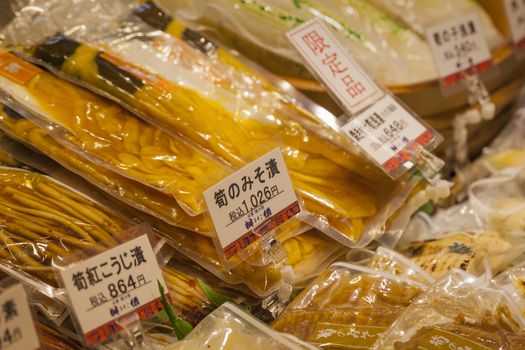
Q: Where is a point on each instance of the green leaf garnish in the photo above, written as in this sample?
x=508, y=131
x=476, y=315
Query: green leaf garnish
x=215, y=298
x=181, y=327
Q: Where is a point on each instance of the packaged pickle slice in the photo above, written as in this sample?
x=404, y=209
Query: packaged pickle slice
x=348, y=306
x=458, y=311
x=229, y=328
x=337, y=187
x=43, y=222
x=103, y=131
x=131, y=192
x=463, y=250
x=513, y=281
x=257, y=28
x=421, y=14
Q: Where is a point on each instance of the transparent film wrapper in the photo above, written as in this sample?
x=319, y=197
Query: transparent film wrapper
x=387, y=49
x=307, y=253
x=44, y=222
x=458, y=310
x=101, y=132
x=512, y=281
x=499, y=200
x=344, y=195
x=131, y=192
x=230, y=327
x=348, y=305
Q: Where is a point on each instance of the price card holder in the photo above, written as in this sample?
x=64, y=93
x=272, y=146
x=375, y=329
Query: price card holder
x=249, y=205
x=392, y=136
x=112, y=291
x=17, y=327
x=462, y=55
x=515, y=11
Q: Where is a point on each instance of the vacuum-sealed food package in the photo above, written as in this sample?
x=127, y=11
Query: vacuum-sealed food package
x=388, y=50
x=348, y=305
x=104, y=132
x=44, y=222
x=422, y=14
x=513, y=281
x=500, y=202
x=458, y=311
x=131, y=192
x=230, y=327
x=169, y=83
x=463, y=250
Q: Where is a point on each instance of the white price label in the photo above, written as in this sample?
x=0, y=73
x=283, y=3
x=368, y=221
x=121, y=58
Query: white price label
x=459, y=46
x=251, y=202
x=113, y=284
x=17, y=330
x=334, y=66
x=516, y=17
x=388, y=133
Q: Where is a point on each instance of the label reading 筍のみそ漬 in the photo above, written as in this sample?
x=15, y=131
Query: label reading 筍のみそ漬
x=251, y=202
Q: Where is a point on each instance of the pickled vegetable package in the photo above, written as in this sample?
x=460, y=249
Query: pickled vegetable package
x=458, y=311
x=348, y=300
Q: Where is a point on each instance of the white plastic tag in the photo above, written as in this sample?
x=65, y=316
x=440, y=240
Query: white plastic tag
x=460, y=48
x=388, y=133
x=111, y=285
x=515, y=10
x=17, y=330
x=334, y=66
x=251, y=202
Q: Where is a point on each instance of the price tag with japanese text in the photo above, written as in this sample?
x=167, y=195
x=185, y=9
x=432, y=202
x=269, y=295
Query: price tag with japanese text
x=251, y=202
x=515, y=10
x=334, y=66
x=108, y=286
x=459, y=48
x=17, y=330
x=388, y=133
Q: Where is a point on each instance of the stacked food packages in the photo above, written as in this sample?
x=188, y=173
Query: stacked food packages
x=118, y=118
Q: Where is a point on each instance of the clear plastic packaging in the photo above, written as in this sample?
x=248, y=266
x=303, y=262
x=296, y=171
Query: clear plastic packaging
x=457, y=312
x=226, y=111
x=500, y=202
x=513, y=282
x=44, y=222
x=421, y=14
x=229, y=327
x=123, y=188
x=102, y=132
x=464, y=250
x=388, y=50
x=308, y=252
x=347, y=306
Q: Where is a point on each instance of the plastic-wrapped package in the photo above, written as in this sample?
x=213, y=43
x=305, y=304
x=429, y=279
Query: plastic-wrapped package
x=44, y=222
x=176, y=86
x=50, y=339
x=229, y=328
x=513, y=282
x=464, y=250
x=389, y=51
x=457, y=312
x=308, y=253
x=420, y=14
x=500, y=202
x=348, y=305
x=131, y=192
x=101, y=130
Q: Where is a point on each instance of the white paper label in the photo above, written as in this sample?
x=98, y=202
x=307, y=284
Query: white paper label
x=113, y=284
x=516, y=17
x=251, y=202
x=334, y=66
x=17, y=330
x=459, y=46
x=388, y=133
